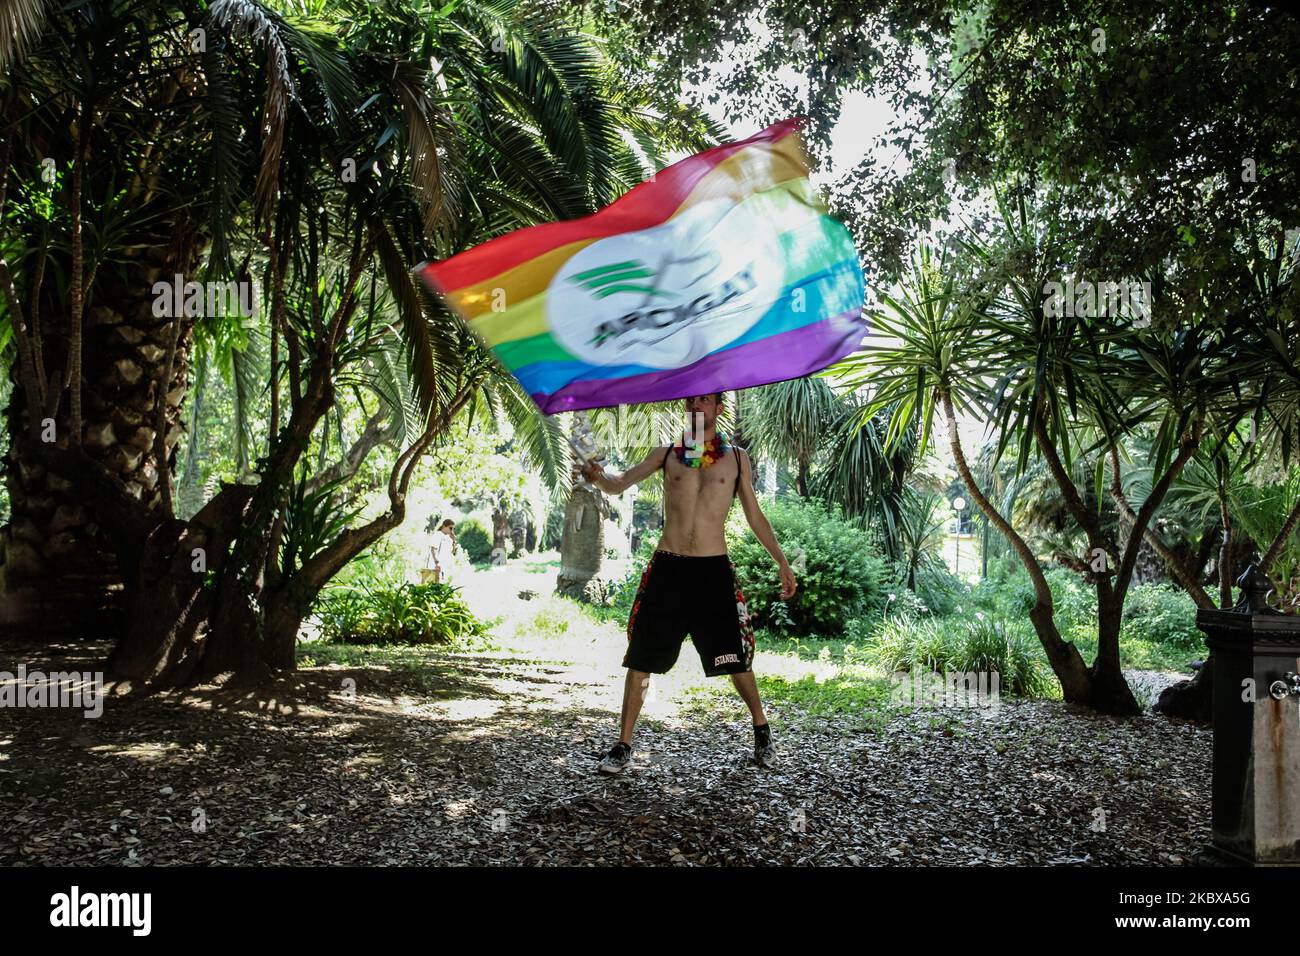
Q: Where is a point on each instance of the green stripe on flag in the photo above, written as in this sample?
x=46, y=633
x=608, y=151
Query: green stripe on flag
x=601, y=270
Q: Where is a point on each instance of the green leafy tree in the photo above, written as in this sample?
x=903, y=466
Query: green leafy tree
x=324, y=155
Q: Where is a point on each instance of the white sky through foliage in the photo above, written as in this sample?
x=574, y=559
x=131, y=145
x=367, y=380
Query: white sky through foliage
x=863, y=118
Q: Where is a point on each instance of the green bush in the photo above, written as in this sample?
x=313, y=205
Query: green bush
x=968, y=644
x=1013, y=650
x=403, y=614
x=938, y=589
x=841, y=576
x=1074, y=599
x=475, y=539
x=1162, y=615
x=902, y=643
x=1008, y=593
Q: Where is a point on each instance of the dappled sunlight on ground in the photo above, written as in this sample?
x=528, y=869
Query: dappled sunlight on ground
x=487, y=753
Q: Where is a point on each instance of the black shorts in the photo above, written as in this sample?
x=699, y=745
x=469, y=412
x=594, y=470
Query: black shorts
x=679, y=595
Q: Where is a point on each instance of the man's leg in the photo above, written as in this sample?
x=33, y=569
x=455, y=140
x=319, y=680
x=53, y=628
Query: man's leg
x=748, y=689
x=634, y=691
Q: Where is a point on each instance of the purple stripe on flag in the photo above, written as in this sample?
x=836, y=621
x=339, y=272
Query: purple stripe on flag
x=776, y=358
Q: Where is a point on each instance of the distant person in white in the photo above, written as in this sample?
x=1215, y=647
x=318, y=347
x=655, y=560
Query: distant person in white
x=441, y=549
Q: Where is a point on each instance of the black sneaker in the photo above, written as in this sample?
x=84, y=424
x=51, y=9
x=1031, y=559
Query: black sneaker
x=619, y=756
x=764, y=752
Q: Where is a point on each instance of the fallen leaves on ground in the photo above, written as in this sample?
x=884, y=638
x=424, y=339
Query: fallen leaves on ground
x=300, y=773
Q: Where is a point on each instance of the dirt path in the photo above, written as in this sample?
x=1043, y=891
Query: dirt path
x=490, y=758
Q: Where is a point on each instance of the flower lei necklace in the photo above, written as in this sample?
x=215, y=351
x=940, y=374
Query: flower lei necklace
x=710, y=451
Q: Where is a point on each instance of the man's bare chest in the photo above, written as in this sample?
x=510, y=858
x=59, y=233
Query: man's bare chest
x=713, y=485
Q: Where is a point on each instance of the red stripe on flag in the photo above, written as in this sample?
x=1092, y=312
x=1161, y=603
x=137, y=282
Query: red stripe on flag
x=641, y=207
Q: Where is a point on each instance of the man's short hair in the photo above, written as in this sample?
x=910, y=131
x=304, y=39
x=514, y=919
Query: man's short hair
x=717, y=397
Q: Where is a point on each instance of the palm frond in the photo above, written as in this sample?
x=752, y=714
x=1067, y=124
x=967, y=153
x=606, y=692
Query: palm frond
x=243, y=18
x=21, y=23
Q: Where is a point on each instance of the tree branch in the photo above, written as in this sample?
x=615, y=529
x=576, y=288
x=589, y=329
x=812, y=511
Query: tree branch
x=1189, y=583
x=26, y=361
x=160, y=417
x=373, y=435
x=1191, y=442
x=77, y=292
x=1041, y=588
x=1274, y=549
x=314, y=573
x=1088, y=520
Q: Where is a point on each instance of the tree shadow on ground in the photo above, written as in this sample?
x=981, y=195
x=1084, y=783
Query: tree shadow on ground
x=489, y=759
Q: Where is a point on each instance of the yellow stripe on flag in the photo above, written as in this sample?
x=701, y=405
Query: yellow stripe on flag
x=789, y=206
x=751, y=170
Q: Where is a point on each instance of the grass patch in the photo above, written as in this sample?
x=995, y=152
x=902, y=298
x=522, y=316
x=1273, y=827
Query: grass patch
x=849, y=694
x=417, y=668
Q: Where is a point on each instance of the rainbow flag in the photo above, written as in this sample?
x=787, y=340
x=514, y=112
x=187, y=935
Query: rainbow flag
x=722, y=271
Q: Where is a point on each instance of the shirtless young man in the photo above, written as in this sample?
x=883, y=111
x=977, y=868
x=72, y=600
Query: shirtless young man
x=690, y=583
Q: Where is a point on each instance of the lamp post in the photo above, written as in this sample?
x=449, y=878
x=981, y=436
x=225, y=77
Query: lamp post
x=959, y=505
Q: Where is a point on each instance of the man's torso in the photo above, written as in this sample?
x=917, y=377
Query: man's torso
x=696, y=503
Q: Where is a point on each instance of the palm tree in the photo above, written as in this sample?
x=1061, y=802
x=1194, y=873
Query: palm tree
x=788, y=421
x=863, y=476
x=922, y=519
x=383, y=136
x=1257, y=431
x=975, y=336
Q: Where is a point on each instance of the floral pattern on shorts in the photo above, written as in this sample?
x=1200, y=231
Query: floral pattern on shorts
x=640, y=593
x=746, y=628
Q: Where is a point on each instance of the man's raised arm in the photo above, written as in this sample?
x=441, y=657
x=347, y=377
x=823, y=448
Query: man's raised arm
x=617, y=484
x=762, y=528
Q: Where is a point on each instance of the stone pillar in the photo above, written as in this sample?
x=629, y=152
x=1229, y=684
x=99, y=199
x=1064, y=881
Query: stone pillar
x=1256, y=783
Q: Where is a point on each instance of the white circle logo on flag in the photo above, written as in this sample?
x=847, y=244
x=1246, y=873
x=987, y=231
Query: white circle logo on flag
x=667, y=296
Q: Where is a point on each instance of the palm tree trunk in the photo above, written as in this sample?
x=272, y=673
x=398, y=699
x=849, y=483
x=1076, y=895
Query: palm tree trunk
x=801, y=479
x=582, y=544
x=1225, y=556
x=500, y=528
x=59, y=571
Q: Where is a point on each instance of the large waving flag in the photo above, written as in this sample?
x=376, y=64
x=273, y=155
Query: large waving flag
x=723, y=271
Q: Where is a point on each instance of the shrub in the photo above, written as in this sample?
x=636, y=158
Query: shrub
x=902, y=644
x=475, y=539
x=937, y=588
x=1009, y=593
x=841, y=576
x=1163, y=615
x=1074, y=599
x=965, y=645
x=1012, y=650
x=902, y=603
x=402, y=614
